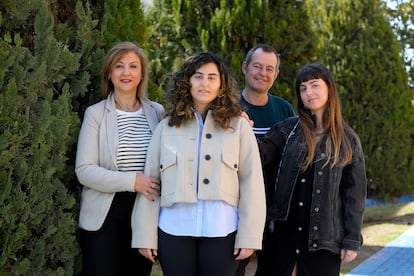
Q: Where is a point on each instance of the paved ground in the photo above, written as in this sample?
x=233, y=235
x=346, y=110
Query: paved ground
x=396, y=259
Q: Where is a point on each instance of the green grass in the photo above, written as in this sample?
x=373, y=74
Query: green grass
x=388, y=211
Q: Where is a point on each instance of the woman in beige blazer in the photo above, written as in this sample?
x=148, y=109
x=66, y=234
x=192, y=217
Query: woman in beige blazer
x=110, y=159
x=212, y=210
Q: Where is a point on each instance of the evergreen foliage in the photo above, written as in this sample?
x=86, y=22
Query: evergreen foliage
x=37, y=221
x=365, y=57
x=50, y=57
x=230, y=28
x=166, y=43
x=401, y=14
x=123, y=20
x=86, y=40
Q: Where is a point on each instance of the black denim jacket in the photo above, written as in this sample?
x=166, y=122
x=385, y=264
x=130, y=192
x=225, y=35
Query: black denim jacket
x=338, y=196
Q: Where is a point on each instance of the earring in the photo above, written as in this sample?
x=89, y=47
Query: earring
x=108, y=77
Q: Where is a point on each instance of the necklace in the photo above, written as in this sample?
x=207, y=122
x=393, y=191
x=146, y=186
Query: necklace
x=131, y=108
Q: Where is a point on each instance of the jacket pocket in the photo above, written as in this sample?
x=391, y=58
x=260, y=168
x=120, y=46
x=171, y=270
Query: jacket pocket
x=168, y=170
x=230, y=160
x=229, y=180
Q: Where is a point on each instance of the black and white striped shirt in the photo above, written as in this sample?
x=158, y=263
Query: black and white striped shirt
x=134, y=136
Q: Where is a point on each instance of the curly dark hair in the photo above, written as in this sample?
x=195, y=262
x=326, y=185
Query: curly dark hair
x=224, y=107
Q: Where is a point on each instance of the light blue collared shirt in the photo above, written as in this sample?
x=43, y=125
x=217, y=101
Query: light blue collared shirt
x=206, y=218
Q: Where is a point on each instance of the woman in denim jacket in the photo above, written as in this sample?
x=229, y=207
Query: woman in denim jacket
x=316, y=212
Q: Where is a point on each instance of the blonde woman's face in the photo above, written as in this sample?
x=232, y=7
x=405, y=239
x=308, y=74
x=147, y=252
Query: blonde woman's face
x=314, y=95
x=205, y=86
x=126, y=74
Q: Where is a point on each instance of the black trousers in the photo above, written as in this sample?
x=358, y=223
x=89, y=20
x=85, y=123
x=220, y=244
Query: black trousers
x=241, y=268
x=108, y=252
x=279, y=258
x=194, y=256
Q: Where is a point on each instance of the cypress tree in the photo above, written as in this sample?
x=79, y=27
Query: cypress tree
x=401, y=16
x=38, y=128
x=230, y=29
x=83, y=37
x=168, y=40
x=50, y=56
x=239, y=25
x=123, y=20
x=364, y=55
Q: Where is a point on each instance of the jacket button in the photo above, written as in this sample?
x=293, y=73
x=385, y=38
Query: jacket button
x=300, y=203
x=323, y=155
x=317, y=209
x=208, y=135
x=320, y=173
x=235, y=166
x=161, y=166
x=315, y=228
x=297, y=251
x=300, y=229
x=206, y=181
x=318, y=191
x=207, y=157
x=314, y=245
x=303, y=180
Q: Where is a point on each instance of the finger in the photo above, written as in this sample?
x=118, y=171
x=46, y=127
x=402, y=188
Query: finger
x=148, y=254
x=241, y=256
x=151, y=258
x=348, y=256
x=148, y=196
x=244, y=253
x=346, y=260
x=343, y=254
x=152, y=255
x=144, y=252
x=156, y=186
x=251, y=123
x=156, y=181
x=154, y=192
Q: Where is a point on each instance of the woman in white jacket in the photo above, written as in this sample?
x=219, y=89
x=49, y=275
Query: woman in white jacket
x=211, y=212
x=110, y=159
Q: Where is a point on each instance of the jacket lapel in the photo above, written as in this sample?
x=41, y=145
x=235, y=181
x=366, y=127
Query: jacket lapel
x=111, y=129
x=150, y=113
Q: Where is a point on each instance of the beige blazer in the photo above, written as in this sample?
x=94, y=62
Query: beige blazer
x=96, y=165
x=230, y=170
